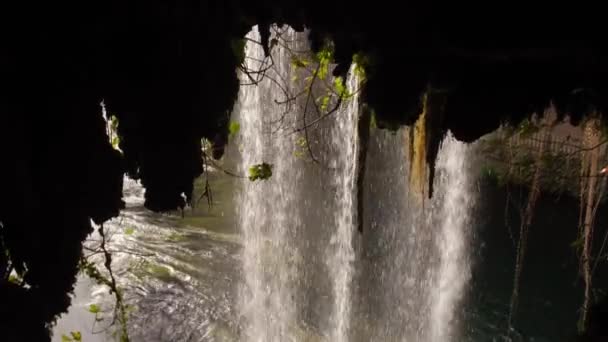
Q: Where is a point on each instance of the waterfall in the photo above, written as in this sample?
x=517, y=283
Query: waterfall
x=265, y=208
x=344, y=138
x=454, y=188
x=301, y=277
x=297, y=226
x=415, y=267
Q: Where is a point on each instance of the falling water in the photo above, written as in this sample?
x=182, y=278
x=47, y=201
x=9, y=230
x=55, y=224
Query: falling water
x=302, y=279
x=454, y=210
x=342, y=255
x=298, y=225
x=266, y=208
x=414, y=268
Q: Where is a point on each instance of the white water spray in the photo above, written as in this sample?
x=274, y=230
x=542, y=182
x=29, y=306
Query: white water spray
x=298, y=227
x=454, y=210
x=341, y=255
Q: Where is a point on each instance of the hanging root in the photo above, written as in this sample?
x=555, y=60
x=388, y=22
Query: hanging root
x=589, y=204
x=526, y=221
x=120, y=309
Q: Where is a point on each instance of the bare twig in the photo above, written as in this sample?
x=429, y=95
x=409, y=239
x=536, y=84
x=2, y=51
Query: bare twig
x=230, y=173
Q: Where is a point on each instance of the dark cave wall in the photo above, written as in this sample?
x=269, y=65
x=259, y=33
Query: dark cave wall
x=167, y=71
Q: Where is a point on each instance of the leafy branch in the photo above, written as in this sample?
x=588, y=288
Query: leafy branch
x=90, y=269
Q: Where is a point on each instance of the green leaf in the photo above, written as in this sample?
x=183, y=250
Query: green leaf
x=93, y=308
x=65, y=338
x=129, y=231
x=233, y=128
x=323, y=67
x=340, y=87
x=301, y=141
x=325, y=54
x=76, y=335
x=113, y=123
x=325, y=102
x=362, y=63
x=324, y=58
x=115, y=142
x=260, y=171
x=14, y=279
x=297, y=62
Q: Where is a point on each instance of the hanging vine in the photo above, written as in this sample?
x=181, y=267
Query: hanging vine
x=526, y=221
x=591, y=192
x=90, y=268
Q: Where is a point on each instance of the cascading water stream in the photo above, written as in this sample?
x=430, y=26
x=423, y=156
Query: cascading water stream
x=299, y=265
x=295, y=273
x=264, y=211
x=455, y=221
x=415, y=267
x=304, y=211
x=292, y=262
x=342, y=255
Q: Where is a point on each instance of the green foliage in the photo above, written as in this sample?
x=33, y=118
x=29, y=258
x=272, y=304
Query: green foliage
x=115, y=142
x=324, y=58
x=323, y=101
x=129, y=231
x=14, y=279
x=260, y=171
x=94, y=308
x=301, y=142
x=92, y=272
x=300, y=146
x=233, y=128
x=362, y=63
x=340, y=87
x=89, y=268
x=298, y=62
x=75, y=336
x=113, y=125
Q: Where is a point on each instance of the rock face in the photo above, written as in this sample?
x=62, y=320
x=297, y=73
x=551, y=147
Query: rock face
x=167, y=71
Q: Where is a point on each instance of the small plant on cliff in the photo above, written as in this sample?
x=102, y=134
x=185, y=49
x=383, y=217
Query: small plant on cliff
x=233, y=128
x=75, y=336
x=260, y=171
